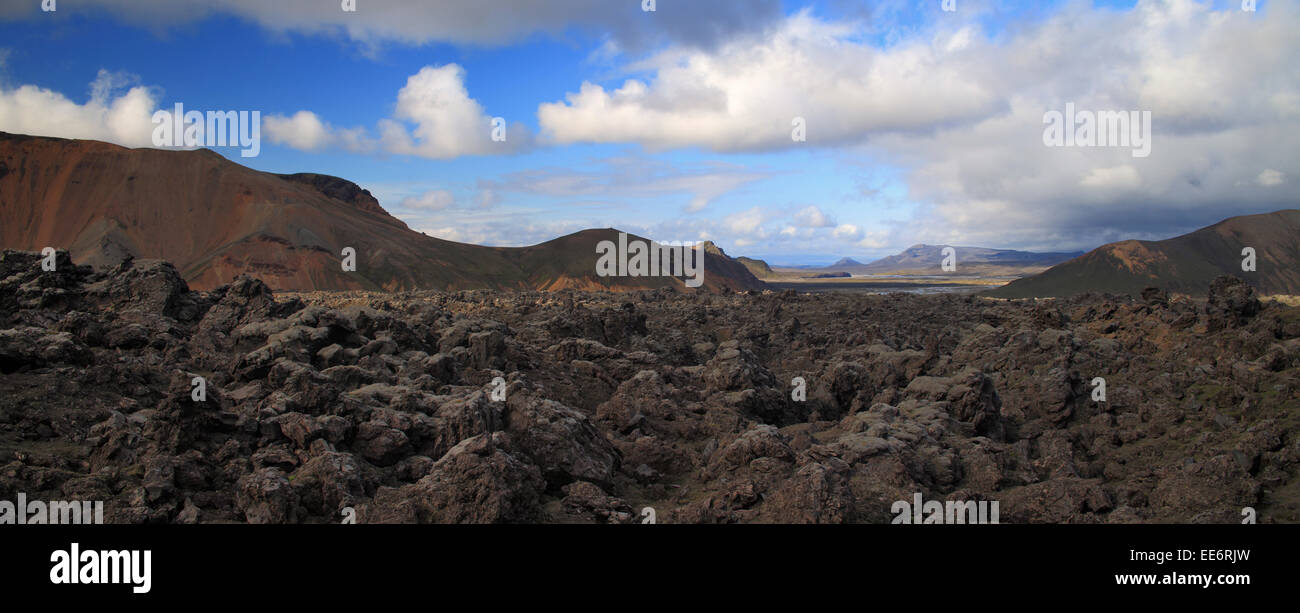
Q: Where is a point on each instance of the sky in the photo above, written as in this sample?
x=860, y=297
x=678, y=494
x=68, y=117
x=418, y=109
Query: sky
x=798, y=132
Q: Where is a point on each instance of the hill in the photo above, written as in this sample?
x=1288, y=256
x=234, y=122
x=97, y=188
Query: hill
x=1184, y=264
x=758, y=268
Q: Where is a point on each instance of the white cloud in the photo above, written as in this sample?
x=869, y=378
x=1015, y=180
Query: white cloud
x=306, y=131
x=813, y=217
x=871, y=243
x=1270, y=178
x=1117, y=178
x=434, y=117
x=744, y=95
x=110, y=115
x=447, y=122
x=749, y=222
x=847, y=231
x=121, y=112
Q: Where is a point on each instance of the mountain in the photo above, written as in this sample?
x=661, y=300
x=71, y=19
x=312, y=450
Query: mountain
x=758, y=268
x=846, y=263
x=215, y=219
x=1184, y=264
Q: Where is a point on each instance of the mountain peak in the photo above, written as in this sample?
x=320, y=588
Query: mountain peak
x=338, y=189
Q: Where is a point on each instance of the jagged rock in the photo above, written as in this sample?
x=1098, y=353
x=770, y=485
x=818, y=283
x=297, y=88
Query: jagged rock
x=561, y=441
x=329, y=482
x=147, y=286
x=1230, y=304
x=266, y=497
x=588, y=500
x=477, y=481
x=24, y=348
x=379, y=443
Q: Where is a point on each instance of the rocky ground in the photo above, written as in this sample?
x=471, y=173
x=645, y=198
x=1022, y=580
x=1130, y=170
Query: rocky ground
x=615, y=402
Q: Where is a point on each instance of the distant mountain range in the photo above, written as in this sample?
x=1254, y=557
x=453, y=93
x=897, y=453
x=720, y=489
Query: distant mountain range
x=1184, y=264
x=982, y=260
x=928, y=260
x=215, y=219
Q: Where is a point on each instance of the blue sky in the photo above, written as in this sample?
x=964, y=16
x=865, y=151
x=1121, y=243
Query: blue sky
x=923, y=125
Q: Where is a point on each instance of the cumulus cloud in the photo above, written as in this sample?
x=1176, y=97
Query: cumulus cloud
x=813, y=217
x=746, y=94
x=1270, y=178
x=434, y=117
x=111, y=114
x=847, y=230
x=306, y=131
x=749, y=223
x=445, y=122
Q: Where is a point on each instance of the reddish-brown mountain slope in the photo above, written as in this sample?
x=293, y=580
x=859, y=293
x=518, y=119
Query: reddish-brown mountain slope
x=214, y=219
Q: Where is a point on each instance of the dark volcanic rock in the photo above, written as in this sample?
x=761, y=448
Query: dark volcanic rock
x=1230, y=303
x=492, y=407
